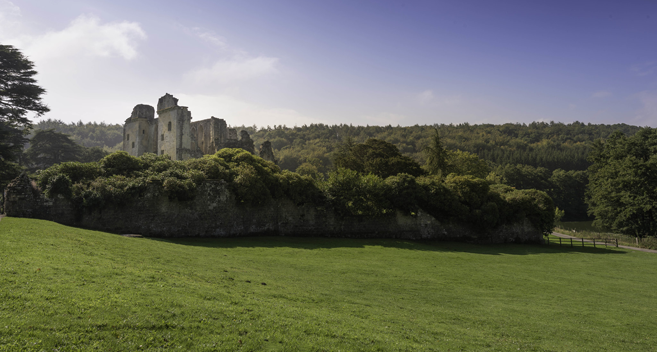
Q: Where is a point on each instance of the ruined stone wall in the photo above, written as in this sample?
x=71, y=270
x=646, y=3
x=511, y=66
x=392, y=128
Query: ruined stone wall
x=214, y=212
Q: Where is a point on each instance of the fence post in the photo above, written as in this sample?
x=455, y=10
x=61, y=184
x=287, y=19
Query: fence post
x=571, y=241
x=617, y=242
x=582, y=242
x=559, y=241
x=594, y=243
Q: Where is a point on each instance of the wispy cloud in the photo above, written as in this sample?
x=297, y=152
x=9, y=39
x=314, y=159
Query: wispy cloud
x=601, y=94
x=207, y=36
x=644, y=69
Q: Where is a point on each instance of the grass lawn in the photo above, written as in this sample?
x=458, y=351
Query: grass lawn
x=68, y=289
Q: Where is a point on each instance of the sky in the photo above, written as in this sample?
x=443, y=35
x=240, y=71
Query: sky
x=361, y=62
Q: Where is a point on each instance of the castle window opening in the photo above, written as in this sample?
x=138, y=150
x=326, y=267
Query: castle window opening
x=162, y=136
x=133, y=144
x=143, y=131
x=127, y=137
x=169, y=126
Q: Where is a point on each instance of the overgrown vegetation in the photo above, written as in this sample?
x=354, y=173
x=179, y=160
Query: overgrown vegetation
x=466, y=200
x=69, y=289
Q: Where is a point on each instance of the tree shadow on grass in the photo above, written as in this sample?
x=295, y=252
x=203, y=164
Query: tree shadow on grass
x=313, y=243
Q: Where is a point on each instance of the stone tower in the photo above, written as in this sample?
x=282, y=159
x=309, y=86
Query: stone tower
x=139, y=130
x=174, y=129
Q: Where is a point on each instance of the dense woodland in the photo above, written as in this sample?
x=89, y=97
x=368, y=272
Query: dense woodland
x=90, y=134
x=546, y=156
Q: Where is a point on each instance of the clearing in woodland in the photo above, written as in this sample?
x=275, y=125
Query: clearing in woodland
x=64, y=288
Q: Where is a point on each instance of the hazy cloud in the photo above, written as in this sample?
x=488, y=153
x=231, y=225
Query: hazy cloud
x=601, y=94
x=386, y=118
x=425, y=96
x=647, y=115
x=238, y=112
x=10, y=19
x=644, y=69
x=86, y=36
x=234, y=70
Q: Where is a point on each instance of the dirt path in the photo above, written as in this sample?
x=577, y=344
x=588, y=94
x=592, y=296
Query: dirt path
x=620, y=246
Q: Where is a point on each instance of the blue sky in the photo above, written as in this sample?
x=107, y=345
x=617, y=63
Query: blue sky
x=359, y=62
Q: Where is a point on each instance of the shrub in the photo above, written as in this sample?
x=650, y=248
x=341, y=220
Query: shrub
x=300, y=189
x=403, y=192
x=248, y=187
x=59, y=185
x=356, y=195
x=120, y=163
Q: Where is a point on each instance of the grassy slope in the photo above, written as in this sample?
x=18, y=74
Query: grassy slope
x=67, y=288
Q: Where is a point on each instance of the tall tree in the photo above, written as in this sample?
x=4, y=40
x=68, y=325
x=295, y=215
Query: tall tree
x=436, y=155
x=49, y=147
x=622, y=192
x=19, y=95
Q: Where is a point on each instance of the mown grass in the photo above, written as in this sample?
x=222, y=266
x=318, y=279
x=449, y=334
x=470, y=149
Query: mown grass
x=68, y=289
x=585, y=229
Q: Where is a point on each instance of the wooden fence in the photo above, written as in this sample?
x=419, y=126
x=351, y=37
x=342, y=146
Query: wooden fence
x=572, y=242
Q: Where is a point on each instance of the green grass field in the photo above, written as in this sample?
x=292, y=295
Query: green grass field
x=68, y=289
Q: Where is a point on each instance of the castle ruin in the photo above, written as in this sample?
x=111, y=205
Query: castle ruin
x=173, y=133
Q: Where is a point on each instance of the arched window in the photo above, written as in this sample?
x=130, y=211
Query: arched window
x=169, y=125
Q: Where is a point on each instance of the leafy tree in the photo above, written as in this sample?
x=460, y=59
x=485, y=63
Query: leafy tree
x=465, y=163
x=375, y=157
x=568, y=190
x=49, y=147
x=19, y=94
x=622, y=192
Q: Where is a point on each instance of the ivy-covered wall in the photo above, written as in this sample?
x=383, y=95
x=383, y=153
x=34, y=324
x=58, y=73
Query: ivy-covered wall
x=215, y=212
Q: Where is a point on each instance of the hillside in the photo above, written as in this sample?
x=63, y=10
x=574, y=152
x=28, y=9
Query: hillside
x=71, y=289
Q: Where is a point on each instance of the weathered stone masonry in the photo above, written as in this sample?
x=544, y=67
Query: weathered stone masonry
x=214, y=212
x=172, y=133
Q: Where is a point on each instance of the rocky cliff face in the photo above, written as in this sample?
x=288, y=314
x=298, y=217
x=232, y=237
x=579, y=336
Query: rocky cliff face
x=214, y=212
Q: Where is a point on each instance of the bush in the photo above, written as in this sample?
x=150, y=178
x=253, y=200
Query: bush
x=356, y=195
x=248, y=187
x=403, y=192
x=120, y=163
x=59, y=185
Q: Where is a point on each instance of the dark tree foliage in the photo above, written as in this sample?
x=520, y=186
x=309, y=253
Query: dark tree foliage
x=375, y=157
x=49, y=147
x=19, y=95
x=622, y=192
